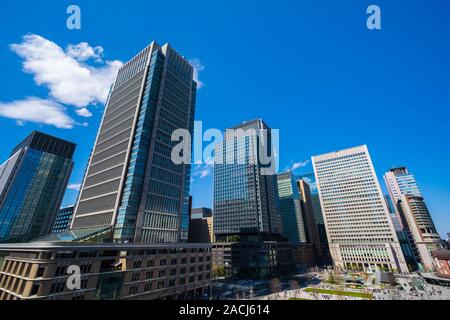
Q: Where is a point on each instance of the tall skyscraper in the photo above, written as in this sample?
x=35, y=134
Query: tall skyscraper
x=32, y=185
x=419, y=223
x=292, y=220
x=405, y=239
x=132, y=186
x=399, y=182
x=245, y=193
x=308, y=212
x=360, y=232
x=413, y=215
x=315, y=200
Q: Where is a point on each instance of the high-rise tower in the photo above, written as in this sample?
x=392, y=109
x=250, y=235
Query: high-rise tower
x=359, y=229
x=246, y=199
x=32, y=185
x=413, y=215
x=292, y=215
x=132, y=185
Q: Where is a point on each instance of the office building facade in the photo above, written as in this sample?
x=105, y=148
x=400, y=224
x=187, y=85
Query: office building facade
x=41, y=271
x=253, y=260
x=400, y=182
x=312, y=232
x=421, y=227
x=246, y=199
x=32, y=185
x=63, y=219
x=413, y=215
x=200, y=213
x=201, y=230
x=132, y=185
x=359, y=229
x=405, y=239
x=311, y=180
x=292, y=216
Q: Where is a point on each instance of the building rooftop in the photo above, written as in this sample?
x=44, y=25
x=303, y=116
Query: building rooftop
x=40, y=246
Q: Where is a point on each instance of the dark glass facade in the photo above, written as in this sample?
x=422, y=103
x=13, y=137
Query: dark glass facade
x=63, y=219
x=294, y=229
x=32, y=185
x=245, y=200
x=317, y=208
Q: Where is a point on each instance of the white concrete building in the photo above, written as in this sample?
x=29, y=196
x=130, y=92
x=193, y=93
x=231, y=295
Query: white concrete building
x=359, y=229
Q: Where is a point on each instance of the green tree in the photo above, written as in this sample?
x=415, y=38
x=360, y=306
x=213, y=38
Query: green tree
x=234, y=238
x=219, y=271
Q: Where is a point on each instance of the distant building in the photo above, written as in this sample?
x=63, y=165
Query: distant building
x=448, y=241
x=292, y=216
x=392, y=213
x=405, y=239
x=360, y=232
x=39, y=271
x=308, y=212
x=32, y=185
x=315, y=199
x=199, y=213
x=245, y=193
x=400, y=182
x=420, y=225
x=412, y=215
x=63, y=219
x=442, y=261
x=201, y=230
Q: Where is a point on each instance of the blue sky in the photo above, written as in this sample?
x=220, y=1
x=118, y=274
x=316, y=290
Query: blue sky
x=309, y=68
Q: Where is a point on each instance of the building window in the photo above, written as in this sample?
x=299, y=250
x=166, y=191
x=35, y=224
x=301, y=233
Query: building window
x=135, y=276
x=57, y=287
x=133, y=289
x=40, y=272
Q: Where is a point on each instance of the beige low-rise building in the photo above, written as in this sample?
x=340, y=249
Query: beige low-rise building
x=73, y=271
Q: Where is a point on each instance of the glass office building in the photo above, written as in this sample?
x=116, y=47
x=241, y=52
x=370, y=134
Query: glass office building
x=63, y=219
x=246, y=199
x=315, y=200
x=132, y=186
x=293, y=224
x=32, y=184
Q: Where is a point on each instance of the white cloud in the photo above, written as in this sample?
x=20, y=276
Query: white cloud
x=202, y=170
x=198, y=67
x=297, y=165
x=83, y=112
x=83, y=52
x=37, y=110
x=74, y=186
x=69, y=79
